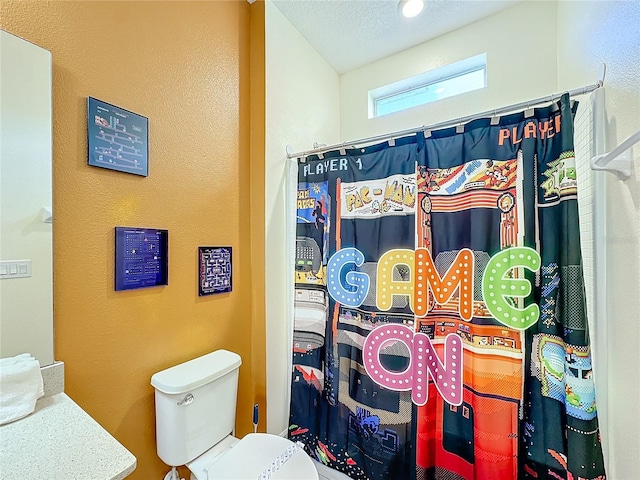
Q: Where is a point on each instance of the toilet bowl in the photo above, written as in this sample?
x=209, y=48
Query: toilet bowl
x=256, y=456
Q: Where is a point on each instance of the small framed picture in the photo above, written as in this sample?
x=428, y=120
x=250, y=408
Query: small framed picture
x=214, y=267
x=141, y=258
x=118, y=139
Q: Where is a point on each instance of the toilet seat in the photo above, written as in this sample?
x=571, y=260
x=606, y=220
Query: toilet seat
x=198, y=466
x=254, y=455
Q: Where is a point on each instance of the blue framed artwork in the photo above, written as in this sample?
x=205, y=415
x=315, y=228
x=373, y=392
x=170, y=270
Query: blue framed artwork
x=215, y=270
x=141, y=258
x=118, y=139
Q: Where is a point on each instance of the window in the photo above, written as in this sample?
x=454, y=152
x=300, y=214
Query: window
x=460, y=77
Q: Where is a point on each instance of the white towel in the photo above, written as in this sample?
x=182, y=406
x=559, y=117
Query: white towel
x=20, y=387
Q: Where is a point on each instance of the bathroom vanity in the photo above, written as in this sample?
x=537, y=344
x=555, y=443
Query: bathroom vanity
x=60, y=440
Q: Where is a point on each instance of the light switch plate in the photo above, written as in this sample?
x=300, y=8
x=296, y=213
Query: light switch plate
x=15, y=269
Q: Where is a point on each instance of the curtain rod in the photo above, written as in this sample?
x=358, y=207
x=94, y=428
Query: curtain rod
x=448, y=123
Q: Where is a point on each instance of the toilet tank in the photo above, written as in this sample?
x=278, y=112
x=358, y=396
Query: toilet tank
x=195, y=405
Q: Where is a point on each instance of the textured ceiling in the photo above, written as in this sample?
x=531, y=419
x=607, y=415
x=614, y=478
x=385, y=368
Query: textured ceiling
x=351, y=33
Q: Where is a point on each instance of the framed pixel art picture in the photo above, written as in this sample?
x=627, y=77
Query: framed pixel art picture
x=215, y=270
x=118, y=139
x=141, y=258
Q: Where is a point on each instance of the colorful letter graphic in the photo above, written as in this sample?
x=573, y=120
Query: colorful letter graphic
x=499, y=287
x=447, y=376
x=358, y=282
x=386, y=286
x=496, y=285
x=459, y=275
x=374, y=343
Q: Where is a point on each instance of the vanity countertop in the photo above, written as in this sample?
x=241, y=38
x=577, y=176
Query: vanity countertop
x=59, y=441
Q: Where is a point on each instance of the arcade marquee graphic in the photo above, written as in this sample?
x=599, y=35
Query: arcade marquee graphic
x=118, y=138
x=214, y=267
x=141, y=258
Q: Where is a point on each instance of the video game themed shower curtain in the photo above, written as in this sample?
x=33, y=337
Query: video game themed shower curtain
x=440, y=328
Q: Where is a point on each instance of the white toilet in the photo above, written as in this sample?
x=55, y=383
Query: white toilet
x=195, y=418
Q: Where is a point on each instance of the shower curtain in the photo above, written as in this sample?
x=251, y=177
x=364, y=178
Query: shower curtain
x=439, y=320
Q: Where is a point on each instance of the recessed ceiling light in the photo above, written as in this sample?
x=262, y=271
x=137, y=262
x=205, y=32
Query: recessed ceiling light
x=410, y=8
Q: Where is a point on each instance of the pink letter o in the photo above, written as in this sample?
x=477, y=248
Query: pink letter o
x=373, y=345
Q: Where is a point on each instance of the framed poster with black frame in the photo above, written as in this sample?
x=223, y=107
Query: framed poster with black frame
x=214, y=267
x=118, y=139
x=141, y=258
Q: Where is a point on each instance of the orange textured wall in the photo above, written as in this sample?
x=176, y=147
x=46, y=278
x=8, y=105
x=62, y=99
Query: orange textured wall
x=187, y=66
x=257, y=116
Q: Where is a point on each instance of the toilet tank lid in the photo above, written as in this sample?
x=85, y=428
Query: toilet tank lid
x=197, y=372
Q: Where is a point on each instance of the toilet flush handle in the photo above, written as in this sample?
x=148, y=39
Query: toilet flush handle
x=188, y=398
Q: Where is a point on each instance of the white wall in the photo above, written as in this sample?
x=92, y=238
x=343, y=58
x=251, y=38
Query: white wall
x=26, y=304
x=520, y=43
x=590, y=33
x=302, y=108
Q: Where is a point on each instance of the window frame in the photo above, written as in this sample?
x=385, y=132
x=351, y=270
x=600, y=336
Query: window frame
x=425, y=80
